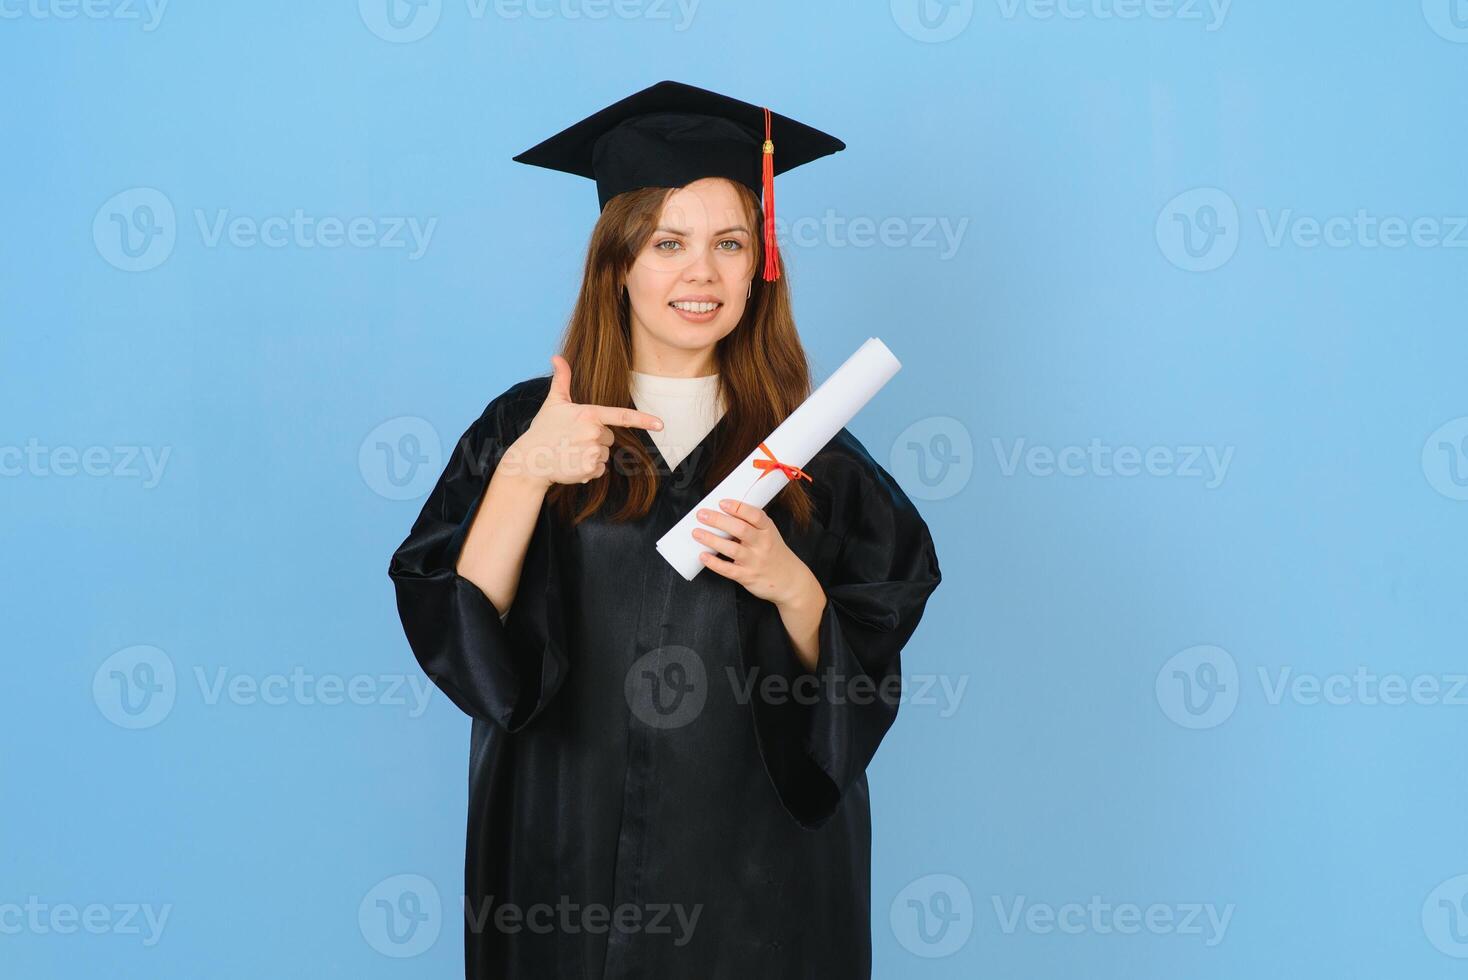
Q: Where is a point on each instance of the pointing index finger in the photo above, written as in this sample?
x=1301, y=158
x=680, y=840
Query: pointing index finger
x=627, y=417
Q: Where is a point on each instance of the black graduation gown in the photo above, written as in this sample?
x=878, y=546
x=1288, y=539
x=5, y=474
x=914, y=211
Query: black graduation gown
x=635, y=809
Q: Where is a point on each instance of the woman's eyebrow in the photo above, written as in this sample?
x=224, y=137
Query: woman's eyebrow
x=684, y=234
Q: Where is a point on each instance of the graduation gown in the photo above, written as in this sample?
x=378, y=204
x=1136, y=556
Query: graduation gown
x=636, y=808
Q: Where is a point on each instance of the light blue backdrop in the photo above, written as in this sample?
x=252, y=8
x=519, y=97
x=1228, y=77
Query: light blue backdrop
x=1179, y=292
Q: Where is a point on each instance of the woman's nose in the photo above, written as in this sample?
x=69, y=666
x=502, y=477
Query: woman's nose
x=700, y=266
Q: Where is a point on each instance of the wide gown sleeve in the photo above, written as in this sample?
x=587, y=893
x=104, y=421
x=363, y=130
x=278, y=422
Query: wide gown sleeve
x=818, y=739
x=502, y=669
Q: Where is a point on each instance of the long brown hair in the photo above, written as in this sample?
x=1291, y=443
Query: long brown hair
x=763, y=373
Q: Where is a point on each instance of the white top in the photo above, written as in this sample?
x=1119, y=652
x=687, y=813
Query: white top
x=689, y=408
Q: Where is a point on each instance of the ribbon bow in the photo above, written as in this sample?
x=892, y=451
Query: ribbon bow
x=769, y=465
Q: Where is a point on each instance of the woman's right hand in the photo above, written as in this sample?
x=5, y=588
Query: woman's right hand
x=567, y=442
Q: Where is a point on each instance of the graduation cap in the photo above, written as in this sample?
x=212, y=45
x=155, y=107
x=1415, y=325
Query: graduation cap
x=671, y=134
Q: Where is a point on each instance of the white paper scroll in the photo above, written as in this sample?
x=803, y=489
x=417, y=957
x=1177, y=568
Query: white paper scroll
x=795, y=442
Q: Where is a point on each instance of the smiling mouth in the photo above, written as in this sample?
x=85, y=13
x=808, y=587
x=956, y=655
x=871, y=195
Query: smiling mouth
x=688, y=307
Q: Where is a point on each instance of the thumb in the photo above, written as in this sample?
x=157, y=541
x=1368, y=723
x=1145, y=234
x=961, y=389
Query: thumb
x=560, y=388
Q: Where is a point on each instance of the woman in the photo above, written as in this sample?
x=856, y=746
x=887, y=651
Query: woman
x=667, y=777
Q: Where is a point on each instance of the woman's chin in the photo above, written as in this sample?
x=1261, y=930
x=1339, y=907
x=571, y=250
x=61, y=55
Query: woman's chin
x=694, y=336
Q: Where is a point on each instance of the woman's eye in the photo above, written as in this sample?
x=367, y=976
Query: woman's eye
x=670, y=245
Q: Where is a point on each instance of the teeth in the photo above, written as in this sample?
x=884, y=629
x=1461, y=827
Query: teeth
x=695, y=307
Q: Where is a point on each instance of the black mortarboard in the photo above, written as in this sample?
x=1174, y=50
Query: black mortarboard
x=672, y=134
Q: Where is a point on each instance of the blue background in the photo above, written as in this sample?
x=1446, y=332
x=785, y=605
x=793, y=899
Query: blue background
x=1101, y=291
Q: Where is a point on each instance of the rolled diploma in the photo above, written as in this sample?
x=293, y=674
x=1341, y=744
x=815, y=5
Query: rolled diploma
x=795, y=442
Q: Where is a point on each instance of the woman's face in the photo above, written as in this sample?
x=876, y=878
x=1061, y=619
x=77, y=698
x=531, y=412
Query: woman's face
x=688, y=283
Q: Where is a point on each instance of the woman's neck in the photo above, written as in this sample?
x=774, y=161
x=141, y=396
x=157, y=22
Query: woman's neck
x=692, y=369
x=671, y=362
x=676, y=377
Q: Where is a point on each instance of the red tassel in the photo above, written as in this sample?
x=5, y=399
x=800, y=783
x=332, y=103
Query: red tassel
x=772, y=250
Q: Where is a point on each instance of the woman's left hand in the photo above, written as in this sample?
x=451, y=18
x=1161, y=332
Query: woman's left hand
x=761, y=560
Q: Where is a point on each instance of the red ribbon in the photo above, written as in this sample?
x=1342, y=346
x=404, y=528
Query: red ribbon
x=770, y=465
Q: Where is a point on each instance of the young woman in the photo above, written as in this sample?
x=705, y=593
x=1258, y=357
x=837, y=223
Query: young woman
x=667, y=777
